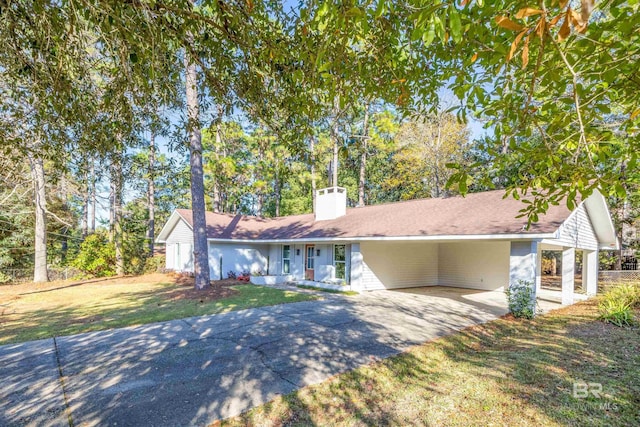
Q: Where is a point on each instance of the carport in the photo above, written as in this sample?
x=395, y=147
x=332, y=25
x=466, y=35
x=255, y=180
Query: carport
x=480, y=264
x=489, y=261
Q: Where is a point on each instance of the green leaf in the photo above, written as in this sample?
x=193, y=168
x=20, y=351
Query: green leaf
x=355, y=11
x=439, y=27
x=429, y=35
x=380, y=9
x=455, y=25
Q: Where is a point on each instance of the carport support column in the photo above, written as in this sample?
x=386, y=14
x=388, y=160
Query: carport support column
x=538, y=267
x=568, y=275
x=357, y=268
x=524, y=264
x=590, y=272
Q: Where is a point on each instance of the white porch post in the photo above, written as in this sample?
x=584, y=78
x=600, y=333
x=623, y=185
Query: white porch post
x=524, y=263
x=357, y=268
x=568, y=275
x=590, y=272
x=538, y=268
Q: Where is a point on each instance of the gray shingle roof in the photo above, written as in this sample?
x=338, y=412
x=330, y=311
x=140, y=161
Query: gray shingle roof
x=487, y=213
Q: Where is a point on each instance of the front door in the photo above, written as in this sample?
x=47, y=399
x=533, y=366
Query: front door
x=309, y=261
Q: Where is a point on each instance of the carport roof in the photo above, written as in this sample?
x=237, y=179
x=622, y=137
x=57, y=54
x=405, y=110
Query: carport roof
x=487, y=213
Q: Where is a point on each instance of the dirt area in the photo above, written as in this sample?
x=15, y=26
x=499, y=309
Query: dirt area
x=219, y=289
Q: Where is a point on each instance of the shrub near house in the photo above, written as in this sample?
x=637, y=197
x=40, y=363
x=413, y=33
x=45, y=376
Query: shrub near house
x=619, y=304
x=97, y=256
x=521, y=299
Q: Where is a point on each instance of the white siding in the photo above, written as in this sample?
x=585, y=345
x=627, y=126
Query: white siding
x=325, y=258
x=297, y=261
x=524, y=263
x=169, y=255
x=399, y=264
x=275, y=259
x=179, y=252
x=181, y=233
x=186, y=257
x=577, y=231
x=475, y=265
x=295, y=264
x=237, y=258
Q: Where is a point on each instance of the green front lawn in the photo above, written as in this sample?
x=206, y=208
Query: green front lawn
x=506, y=372
x=30, y=312
x=331, y=291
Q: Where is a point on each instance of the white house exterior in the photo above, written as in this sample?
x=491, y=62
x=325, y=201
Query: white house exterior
x=472, y=242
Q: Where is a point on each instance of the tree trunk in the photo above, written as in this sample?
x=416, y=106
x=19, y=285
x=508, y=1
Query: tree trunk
x=64, y=245
x=93, y=196
x=116, y=180
x=438, y=190
x=84, y=225
x=334, y=140
x=151, y=194
x=216, y=187
x=40, y=273
x=277, y=193
x=112, y=204
x=621, y=220
x=333, y=177
x=312, y=160
x=363, y=156
x=200, y=250
x=259, y=204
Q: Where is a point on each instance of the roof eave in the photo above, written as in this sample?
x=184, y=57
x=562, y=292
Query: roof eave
x=601, y=220
x=436, y=238
x=169, y=225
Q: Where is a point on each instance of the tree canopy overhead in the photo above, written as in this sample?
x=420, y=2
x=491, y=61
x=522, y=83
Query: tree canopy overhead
x=564, y=72
x=555, y=81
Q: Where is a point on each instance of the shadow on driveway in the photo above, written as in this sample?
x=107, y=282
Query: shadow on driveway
x=197, y=370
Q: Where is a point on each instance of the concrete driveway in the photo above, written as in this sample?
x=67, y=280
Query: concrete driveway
x=196, y=370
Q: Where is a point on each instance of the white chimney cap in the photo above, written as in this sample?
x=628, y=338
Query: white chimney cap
x=331, y=203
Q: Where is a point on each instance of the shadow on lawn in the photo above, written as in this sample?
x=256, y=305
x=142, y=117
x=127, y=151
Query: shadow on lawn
x=127, y=308
x=193, y=371
x=528, y=368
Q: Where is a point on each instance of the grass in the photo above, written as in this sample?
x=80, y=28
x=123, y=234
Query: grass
x=618, y=304
x=331, y=291
x=30, y=312
x=506, y=372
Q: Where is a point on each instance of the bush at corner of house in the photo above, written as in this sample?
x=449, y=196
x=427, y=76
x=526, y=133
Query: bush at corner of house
x=154, y=264
x=231, y=275
x=97, y=256
x=521, y=299
x=617, y=305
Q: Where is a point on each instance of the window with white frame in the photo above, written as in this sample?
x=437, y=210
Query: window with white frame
x=286, y=259
x=340, y=261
